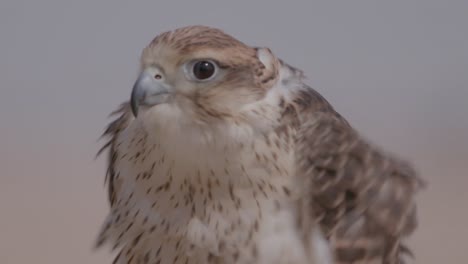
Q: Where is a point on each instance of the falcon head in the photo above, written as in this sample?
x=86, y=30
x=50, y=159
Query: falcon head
x=200, y=75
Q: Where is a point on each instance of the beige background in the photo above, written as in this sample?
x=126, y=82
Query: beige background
x=398, y=70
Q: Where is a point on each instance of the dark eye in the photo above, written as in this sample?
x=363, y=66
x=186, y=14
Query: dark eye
x=203, y=70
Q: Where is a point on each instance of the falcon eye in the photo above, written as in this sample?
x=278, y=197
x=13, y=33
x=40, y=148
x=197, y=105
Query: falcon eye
x=203, y=70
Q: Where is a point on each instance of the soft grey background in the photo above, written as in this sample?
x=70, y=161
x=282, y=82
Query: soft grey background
x=398, y=70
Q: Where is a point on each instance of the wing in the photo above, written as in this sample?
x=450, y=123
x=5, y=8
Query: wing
x=363, y=198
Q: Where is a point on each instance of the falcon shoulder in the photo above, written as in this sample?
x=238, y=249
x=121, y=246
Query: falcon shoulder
x=362, y=197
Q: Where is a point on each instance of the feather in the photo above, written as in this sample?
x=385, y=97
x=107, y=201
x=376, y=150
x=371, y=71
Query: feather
x=362, y=197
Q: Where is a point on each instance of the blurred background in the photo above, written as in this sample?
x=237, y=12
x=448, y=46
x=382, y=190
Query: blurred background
x=397, y=70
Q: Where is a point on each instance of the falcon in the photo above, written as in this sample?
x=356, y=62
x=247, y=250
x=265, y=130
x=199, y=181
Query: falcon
x=223, y=154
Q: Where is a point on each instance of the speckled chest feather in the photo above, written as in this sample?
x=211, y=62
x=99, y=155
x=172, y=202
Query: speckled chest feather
x=212, y=200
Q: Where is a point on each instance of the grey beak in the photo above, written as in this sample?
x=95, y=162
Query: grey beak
x=148, y=91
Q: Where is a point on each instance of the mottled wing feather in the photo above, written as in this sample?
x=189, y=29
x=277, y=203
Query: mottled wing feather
x=362, y=197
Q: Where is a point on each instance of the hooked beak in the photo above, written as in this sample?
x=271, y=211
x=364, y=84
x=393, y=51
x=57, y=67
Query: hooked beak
x=148, y=91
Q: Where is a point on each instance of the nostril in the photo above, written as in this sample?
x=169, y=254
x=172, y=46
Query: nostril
x=157, y=76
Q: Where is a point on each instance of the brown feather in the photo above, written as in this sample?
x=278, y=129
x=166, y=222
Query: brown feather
x=362, y=197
